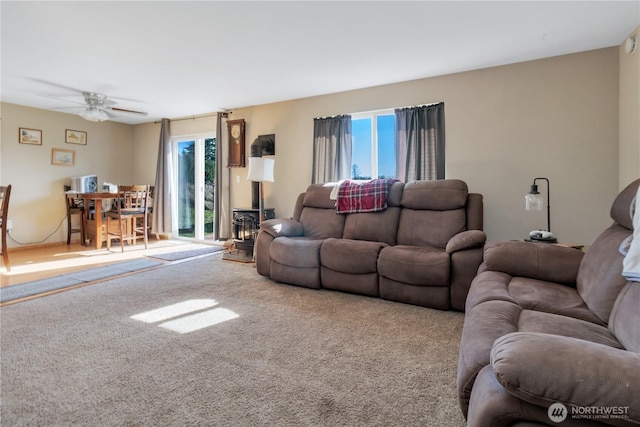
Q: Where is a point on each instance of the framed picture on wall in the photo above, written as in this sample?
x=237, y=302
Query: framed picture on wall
x=61, y=157
x=75, y=137
x=30, y=136
x=236, y=143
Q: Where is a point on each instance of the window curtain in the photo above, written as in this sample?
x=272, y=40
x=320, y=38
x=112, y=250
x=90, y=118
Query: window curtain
x=222, y=191
x=419, y=142
x=331, y=149
x=161, y=219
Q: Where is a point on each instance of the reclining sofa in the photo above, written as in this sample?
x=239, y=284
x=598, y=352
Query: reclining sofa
x=551, y=335
x=423, y=249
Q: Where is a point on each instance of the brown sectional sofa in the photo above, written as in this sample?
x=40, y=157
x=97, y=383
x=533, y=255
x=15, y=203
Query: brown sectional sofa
x=548, y=325
x=423, y=249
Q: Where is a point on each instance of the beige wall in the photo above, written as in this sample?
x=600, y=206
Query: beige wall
x=629, y=113
x=147, y=138
x=555, y=117
x=37, y=204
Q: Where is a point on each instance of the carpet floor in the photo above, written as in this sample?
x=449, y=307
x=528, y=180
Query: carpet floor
x=175, y=256
x=209, y=342
x=37, y=287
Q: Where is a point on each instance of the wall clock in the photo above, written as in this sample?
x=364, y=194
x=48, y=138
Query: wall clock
x=236, y=143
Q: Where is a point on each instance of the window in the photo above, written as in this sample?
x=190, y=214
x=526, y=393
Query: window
x=372, y=151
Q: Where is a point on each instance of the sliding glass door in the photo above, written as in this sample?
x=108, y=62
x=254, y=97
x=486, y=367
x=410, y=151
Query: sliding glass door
x=196, y=158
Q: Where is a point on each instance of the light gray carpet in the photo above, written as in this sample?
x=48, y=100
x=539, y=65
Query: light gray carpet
x=175, y=256
x=36, y=287
x=285, y=356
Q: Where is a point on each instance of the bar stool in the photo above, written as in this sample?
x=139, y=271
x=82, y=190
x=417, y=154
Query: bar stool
x=74, y=207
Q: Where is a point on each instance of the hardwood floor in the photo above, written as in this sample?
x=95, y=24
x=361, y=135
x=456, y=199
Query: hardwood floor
x=43, y=261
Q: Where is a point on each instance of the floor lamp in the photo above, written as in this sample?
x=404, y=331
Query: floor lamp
x=260, y=170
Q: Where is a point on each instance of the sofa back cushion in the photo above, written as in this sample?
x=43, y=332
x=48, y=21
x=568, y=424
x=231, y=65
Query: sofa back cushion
x=376, y=226
x=321, y=223
x=600, y=278
x=625, y=317
x=319, y=196
x=429, y=228
x=317, y=213
x=438, y=195
x=432, y=212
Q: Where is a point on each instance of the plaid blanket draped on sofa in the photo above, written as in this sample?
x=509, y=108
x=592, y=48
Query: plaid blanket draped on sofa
x=369, y=196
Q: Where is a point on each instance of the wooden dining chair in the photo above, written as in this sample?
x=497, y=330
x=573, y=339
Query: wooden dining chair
x=130, y=213
x=75, y=206
x=5, y=192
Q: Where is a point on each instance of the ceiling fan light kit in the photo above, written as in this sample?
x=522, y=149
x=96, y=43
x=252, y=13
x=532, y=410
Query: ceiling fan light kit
x=94, y=114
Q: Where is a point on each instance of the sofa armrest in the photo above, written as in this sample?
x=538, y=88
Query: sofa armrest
x=282, y=227
x=466, y=240
x=540, y=261
x=543, y=369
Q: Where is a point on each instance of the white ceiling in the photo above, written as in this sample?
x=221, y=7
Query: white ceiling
x=178, y=59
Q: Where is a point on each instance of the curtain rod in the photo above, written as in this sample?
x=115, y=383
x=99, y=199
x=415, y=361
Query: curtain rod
x=224, y=113
x=359, y=113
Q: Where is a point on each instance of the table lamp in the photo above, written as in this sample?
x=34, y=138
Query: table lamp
x=533, y=202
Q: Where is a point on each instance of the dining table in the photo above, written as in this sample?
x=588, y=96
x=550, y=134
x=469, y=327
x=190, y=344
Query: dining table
x=95, y=226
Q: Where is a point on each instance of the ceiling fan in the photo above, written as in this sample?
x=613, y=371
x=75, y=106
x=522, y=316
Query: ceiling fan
x=97, y=107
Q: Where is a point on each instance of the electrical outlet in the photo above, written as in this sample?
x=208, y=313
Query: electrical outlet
x=9, y=224
x=238, y=179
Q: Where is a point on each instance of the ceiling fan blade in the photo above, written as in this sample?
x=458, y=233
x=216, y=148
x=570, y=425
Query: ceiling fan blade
x=62, y=99
x=58, y=85
x=79, y=107
x=124, y=110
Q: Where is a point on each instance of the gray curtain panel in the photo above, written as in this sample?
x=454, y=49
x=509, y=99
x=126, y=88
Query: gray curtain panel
x=331, y=149
x=222, y=191
x=161, y=221
x=419, y=142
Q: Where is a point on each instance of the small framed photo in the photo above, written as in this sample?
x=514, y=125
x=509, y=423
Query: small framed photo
x=30, y=136
x=63, y=157
x=75, y=137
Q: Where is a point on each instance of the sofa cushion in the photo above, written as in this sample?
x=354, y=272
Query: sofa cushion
x=321, y=223
x=300, y=252
x=535, y=260
x=350, y=256
x=600, y=278
x=318, y=196
x=430, y=227
x=375, y=226
x=415, y=265
x=625, y=317
x=555, y=324
x=579, y=373
x=437, y=195
x=531, y=294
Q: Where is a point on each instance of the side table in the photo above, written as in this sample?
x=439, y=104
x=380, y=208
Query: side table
x=566, y=245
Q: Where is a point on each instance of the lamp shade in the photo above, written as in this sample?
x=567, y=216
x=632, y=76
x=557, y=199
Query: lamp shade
x=533, y=200
x=260, y=169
